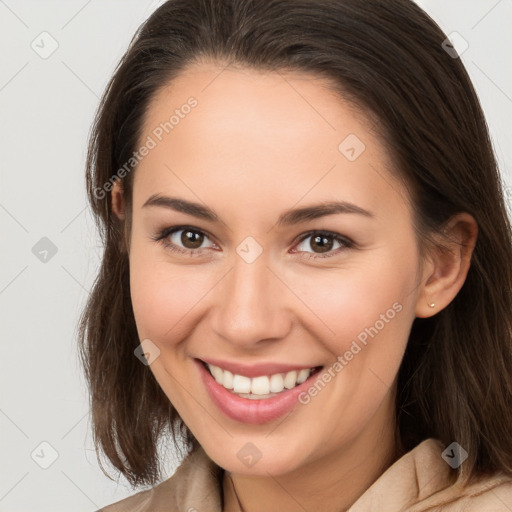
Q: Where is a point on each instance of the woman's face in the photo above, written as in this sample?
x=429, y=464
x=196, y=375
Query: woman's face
x=258, y=280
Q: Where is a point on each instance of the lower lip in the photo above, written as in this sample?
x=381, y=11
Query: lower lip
x=245, y=410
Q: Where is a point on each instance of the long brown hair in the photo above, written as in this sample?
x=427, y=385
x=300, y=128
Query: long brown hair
x=387, y=58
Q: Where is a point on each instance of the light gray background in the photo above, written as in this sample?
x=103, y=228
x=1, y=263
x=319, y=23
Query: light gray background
x=47, y=106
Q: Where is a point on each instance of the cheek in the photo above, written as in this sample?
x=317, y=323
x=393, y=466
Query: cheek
x=163, y=296
x=369, y=309
x=360, y=301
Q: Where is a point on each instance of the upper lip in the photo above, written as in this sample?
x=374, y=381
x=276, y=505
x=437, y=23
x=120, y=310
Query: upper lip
x=258, y=369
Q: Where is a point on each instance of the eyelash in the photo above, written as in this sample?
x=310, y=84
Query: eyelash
x=162, y=237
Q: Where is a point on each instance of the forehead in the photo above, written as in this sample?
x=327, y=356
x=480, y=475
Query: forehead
x=276, y=135
x=273, y=107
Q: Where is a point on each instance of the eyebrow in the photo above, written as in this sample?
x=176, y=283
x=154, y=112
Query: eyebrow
x=289, y=217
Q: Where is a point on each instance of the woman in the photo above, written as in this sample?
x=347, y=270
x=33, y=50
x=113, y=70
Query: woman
x=307, y=269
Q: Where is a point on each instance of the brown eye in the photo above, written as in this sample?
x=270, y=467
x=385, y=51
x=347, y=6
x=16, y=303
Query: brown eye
x=322, y=245
x=184, y=239
x=191, y=239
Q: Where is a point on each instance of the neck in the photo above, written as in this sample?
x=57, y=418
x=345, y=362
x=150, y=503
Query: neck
x=331, y=483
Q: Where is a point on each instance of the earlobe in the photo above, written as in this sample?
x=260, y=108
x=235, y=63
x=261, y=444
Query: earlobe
x=118, y=200
x=448, y=266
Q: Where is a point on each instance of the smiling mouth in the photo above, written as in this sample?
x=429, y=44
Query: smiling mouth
x=261, y=387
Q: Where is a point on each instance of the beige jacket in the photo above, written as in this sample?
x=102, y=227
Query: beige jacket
x=417, y=482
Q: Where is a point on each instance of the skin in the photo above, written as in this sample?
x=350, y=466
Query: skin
x=258, y=144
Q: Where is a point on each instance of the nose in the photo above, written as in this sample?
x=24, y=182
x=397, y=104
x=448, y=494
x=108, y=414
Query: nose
x=253, y=307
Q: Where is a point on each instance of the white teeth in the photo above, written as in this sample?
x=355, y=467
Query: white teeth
x=276, y=383
x=241, y=384
x=256, y=397
x=263, y=386
x=303, y=375
x=228, y=380
x=290, y=380
x=217, y=373
x=260, y=386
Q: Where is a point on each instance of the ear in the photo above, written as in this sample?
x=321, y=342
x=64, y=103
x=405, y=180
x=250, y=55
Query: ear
x=446, y=267
x=118, y=200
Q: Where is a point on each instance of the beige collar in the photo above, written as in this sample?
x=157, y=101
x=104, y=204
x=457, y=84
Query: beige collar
x=420, y=481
